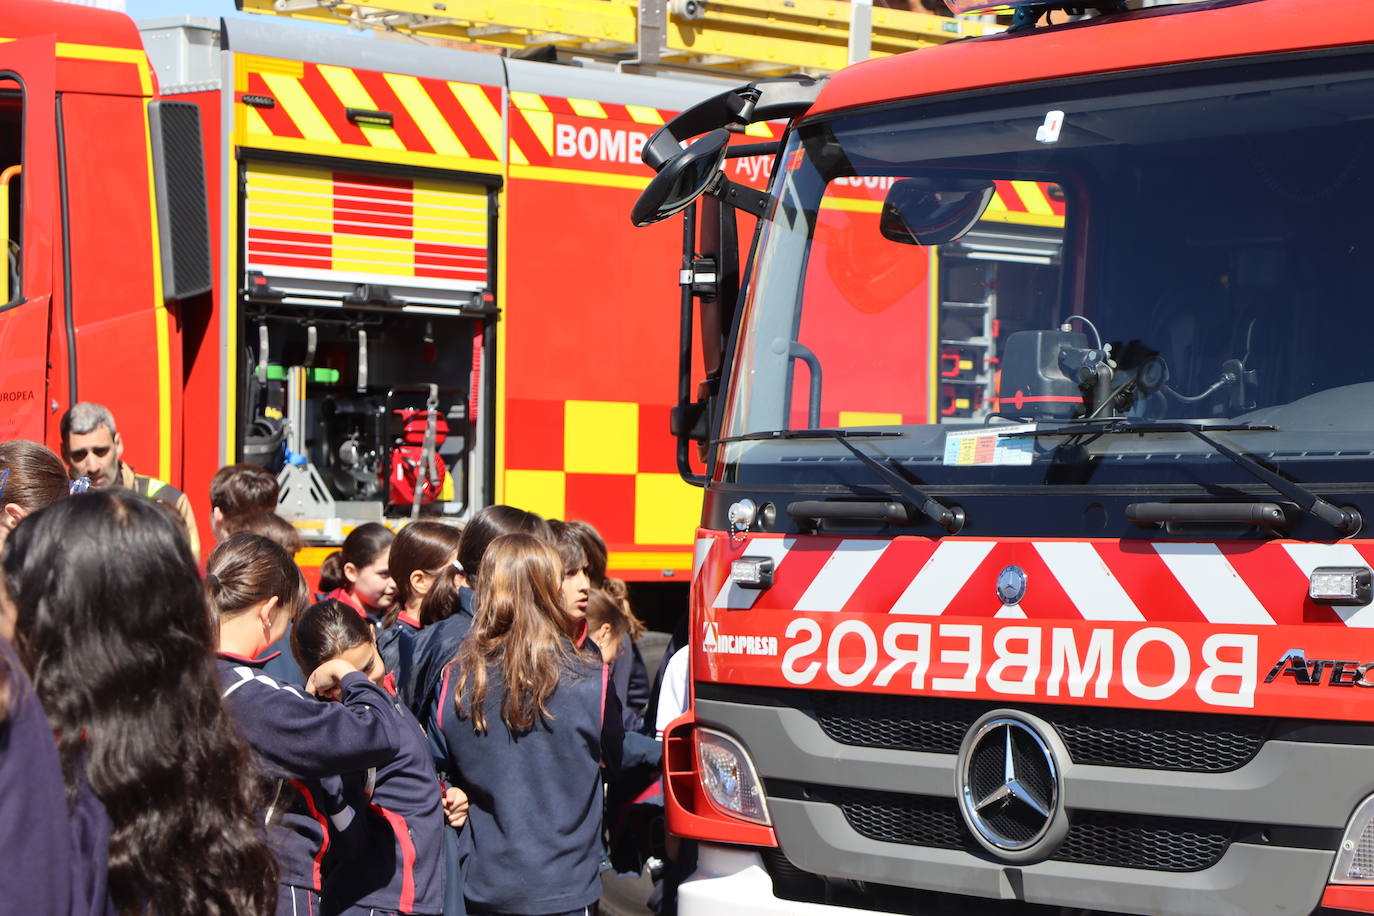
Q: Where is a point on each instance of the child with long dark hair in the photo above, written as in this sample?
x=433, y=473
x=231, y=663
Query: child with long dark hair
x=421, y=560
x=400, y=867
x=448, y=610
x=526, y=721
x=112, y=623
x=303, y=744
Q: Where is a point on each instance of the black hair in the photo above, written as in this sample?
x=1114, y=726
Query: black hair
x=363, y=545
x=114, y=630
x=489, y=524
x=325, y=630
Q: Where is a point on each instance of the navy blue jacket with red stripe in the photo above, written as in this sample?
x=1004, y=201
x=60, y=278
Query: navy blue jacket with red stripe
x=305, y=744
x=432, y=648
x=532, y=843
x=400, y=866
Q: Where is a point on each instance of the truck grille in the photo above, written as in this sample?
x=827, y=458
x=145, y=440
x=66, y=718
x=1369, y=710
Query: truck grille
x=1143, y=739
x=1096, y=838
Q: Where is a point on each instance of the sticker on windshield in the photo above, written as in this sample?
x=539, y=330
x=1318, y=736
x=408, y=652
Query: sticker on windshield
x=990, y=446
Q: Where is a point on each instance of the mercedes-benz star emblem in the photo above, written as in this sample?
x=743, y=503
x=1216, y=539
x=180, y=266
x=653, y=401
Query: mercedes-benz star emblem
x=1011, y=585
x=1009, y=787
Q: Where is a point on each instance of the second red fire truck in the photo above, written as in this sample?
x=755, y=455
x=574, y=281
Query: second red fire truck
x=1034, y=561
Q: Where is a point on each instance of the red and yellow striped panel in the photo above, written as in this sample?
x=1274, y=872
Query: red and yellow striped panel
x=1028, y=203
x=303, y=108
x=307, y=220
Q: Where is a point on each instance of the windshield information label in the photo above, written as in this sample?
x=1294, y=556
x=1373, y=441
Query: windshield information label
x=989, y=446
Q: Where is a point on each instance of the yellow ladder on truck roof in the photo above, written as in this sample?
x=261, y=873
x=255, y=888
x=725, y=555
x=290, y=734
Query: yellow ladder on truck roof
x=748, y=37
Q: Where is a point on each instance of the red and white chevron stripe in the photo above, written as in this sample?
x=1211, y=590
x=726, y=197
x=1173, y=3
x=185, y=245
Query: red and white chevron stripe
x=1235, y=583
x=1178, y=625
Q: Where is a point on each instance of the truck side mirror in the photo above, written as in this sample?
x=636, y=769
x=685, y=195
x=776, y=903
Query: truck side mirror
x=682, y=179
x=926, y=211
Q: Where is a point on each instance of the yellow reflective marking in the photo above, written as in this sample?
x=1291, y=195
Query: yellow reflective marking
x=516, y=155
x=447, y=216
x=1024, y=219
x=312, y=557
x=759, y=129
x=296, y=102
x=295, y=198
x=867, y=418
x=113, y=55
x=601, y=437
x=541, y=492
x=373, y=255
x=675, y=560
x=528, y=101
x=253, y=122
x=378, y=157
x=162, y=330
x=1033, y=198
x=541, y=122
x=577, y=176
x=483, y=113
x=426, y=114
x=852, y=205
x=667, y=509
x=587, y=108
x=642, y=115
x=264, y=65
x=350, y=91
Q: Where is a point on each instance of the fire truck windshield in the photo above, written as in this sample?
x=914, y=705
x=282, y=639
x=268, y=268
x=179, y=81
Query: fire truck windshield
x=1158, y=247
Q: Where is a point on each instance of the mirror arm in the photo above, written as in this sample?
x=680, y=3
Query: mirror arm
x=740, y=196
x=745, y=150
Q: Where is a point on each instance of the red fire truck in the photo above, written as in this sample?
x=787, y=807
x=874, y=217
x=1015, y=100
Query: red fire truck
x=387, y=301
x=1033, y=566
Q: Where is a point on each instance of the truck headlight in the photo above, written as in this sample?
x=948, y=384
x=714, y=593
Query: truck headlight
x=1355, y=857
x=727, y=775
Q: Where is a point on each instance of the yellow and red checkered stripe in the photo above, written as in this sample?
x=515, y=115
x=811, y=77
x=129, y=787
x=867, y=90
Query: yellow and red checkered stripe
x=308, y=218
x=611, y=462
x=303, y=107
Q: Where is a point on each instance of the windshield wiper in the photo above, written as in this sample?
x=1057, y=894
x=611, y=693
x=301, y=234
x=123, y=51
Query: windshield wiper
x=1343, y=519
x=951, y=517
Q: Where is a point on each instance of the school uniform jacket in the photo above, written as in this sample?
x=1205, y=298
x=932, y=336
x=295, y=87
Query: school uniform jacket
x=396, y=646
x=401, y=867
x=53, y=862
x=434, y=647
x=305, y=744
x=532, y=843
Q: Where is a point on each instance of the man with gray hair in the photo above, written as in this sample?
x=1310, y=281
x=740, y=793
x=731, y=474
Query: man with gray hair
x=92, y=448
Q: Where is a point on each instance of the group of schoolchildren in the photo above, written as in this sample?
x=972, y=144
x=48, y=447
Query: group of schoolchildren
x=428, y=734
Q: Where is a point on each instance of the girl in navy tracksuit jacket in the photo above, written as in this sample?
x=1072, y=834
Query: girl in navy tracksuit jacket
x=421, y=564
x=303, y=743
x=527, y=723
x=399, y=867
